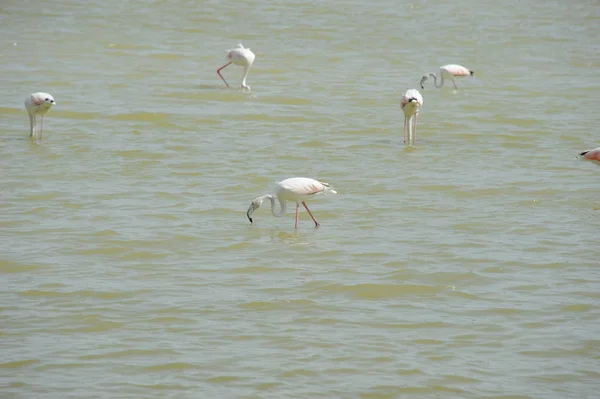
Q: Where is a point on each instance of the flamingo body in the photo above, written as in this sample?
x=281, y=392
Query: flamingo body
x=411, y=103
x=447, y=72
x=297, y=189
x=591, y=155
x=38, y=104
x=242, y=57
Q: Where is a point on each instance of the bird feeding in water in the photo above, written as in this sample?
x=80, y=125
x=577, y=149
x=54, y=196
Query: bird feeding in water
x=38, y=104
x=411, y=103
x=239, y=56
x=450, y=72
x=591, y=155
x=297, y=189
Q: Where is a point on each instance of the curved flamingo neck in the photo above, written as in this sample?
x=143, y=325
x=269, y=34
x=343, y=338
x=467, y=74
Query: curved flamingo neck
x=246, y=70
x=435, y=80
x=282, y=205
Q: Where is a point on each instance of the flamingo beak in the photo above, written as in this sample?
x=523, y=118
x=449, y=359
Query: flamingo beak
x=249, y=214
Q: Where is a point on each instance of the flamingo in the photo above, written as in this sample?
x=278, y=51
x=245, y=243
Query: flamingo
x=449, y=71
x=412, y=101
x=591, y=155
x=38, y=104
x=297, y=189
x=239, y=56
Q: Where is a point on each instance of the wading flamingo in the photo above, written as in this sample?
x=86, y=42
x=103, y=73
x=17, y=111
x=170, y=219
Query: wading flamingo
x=38, y=104
x=447, y=72
x=239, y=56
x=297, y=189
x=591, y=155
x=412, y=101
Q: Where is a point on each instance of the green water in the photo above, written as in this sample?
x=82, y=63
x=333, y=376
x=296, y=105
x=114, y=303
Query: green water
x=465, y=267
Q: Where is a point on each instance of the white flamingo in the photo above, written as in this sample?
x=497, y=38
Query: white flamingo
x=38, y=104
x=297, y=189
x=239, y=56
x=411, y=103
x=449, y=71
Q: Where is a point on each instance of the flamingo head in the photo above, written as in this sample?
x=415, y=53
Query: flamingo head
x=254, y=205
x=423, y=79
x=328, y=188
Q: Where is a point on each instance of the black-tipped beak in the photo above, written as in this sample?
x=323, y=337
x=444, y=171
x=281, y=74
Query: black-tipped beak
x=472, y=73
x=412, y=100
x=248, y=216
x=583, y=153
x=422, y=87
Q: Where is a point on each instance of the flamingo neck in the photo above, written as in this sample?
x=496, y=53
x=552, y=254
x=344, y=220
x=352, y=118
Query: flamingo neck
x=246, y=70
x=435, y=80
x=282, y=205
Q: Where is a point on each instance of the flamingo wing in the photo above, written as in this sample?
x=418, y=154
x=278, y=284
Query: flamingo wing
x=404, y=101
x=457, y=70
x=411, y=93
x=302, y=186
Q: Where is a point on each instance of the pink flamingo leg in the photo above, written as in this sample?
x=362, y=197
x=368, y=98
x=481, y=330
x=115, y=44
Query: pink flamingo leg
x=219, y=73
x=310, y=213
x=406, y=127
x=297, y=210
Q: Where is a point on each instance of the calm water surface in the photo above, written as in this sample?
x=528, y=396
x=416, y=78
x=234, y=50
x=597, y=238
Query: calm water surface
x=465, y=267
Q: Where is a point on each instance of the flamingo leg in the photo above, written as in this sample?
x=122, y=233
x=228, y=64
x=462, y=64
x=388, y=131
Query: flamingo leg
x=32, y=125
x=219, y=73
x=415, y=128
x=41, y=127
x=409, y=127
x=297, y=210
x=405, y=129
x=454, y=83
x=311, y=215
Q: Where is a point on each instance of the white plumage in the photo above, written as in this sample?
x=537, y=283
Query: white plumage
x=239, y=56
x=411, y=103
x=449, y=71
x=38, y=104
x=297, y=189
